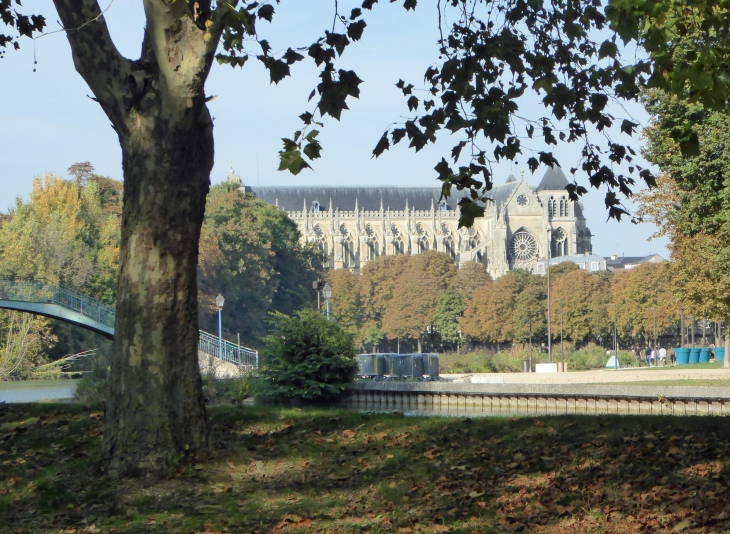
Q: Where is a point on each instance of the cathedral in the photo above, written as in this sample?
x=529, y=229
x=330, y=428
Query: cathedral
x=354, y=225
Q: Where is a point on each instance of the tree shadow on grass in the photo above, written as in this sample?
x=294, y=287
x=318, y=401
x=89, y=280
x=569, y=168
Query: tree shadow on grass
x=279, y=470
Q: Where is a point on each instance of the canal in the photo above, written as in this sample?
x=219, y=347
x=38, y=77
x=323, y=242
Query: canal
x=37, y=390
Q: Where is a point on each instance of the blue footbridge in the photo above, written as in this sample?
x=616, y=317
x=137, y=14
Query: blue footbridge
x=65, y=304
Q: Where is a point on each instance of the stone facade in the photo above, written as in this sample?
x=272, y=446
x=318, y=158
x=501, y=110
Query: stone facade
x=354, y=225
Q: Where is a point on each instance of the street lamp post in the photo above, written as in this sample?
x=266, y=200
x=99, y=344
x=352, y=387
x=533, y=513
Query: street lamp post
x=219, y=301
x=562, y=354
x=615, y=343
x=318, y=285
x=654, y=310
x=530, y=324
x=549, y=326
x=327, y=293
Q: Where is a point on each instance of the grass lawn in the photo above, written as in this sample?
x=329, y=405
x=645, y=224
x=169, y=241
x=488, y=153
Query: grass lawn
x=280, y=471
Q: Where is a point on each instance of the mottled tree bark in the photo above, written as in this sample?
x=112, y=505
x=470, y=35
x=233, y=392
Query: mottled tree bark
x=156, y=104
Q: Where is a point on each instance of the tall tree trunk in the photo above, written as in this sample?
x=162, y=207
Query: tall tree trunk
x=681, y=326
x=155, y=408
x=692, y=327
x=155, y=403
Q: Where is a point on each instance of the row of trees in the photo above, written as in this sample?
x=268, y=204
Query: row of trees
x=69, y=233
x=425, y=298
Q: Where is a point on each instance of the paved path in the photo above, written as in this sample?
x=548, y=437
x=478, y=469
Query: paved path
x=605, y=375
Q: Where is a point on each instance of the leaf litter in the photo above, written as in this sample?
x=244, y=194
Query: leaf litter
x=334, y=471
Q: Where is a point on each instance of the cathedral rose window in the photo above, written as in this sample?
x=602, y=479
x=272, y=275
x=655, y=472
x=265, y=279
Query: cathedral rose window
x=522, y=201
x=524, y=246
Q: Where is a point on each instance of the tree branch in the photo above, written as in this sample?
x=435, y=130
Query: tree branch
x=183, y=42
x=96, y=58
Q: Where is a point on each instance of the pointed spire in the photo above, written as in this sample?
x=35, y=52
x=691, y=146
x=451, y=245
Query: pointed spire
x=522, y=175
x=305, y=205
x=431, y=203
x=330, y=203
x=381, y=203
x=356, y=204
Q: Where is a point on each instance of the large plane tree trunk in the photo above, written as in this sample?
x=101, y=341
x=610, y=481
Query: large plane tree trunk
x=156, y=104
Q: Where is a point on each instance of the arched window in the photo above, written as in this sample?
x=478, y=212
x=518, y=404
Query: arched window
x=559, y=244
x=563, y=207
x=450, y=247
x=315, y=207
x=398, y=246
x=481, y=257
x=348, y=253
x=423, y=241
x=552, y=207
x=443, y=206
x=373, y=245
x=321, y=240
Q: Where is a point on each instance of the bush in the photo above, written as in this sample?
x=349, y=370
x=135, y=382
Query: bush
x=92, y=386
x=307, y=359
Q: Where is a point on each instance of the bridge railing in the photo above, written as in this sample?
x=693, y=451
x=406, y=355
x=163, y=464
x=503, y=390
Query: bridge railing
x=227, y=351
x=41, y=292
x=44, y=293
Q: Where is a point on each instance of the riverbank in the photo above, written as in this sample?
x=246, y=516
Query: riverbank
x=606, y=376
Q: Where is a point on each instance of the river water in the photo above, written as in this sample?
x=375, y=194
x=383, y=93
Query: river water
x=37, y=390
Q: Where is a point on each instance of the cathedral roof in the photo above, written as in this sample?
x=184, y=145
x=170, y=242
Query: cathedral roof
x=292, y=198
x=553, y=180
x=343, y=198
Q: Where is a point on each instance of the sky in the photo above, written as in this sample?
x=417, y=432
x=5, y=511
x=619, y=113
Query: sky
x=49, y=122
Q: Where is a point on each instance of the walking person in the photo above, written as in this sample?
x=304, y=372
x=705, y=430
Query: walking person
x=647, y=355
x=663, y=356
x=637, y=355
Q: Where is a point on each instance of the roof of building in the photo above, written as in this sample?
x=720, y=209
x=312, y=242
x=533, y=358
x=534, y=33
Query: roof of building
x=553, y=180
x=576, y=258
x=621, y=262
x=292, y=198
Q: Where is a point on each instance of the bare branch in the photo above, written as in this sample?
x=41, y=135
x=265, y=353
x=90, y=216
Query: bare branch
x=96, y=58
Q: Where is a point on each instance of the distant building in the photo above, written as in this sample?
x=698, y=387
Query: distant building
x=589, y=262
x=354, y=225
x=626, y=263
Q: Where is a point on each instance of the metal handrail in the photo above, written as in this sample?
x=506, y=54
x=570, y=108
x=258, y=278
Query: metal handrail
x=227, y=351
x=44, y=293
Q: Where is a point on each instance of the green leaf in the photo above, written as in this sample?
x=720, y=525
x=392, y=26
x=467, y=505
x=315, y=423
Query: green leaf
x=290, y=158
x=266, y=12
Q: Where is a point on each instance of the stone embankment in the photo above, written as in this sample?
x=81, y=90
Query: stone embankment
x=552, y=394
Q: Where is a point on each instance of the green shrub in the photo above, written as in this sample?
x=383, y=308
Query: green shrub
x=235, y=390
x=307, y=359
x=92, y=386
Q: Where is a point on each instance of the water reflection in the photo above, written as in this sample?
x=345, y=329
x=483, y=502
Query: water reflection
x=37, y=390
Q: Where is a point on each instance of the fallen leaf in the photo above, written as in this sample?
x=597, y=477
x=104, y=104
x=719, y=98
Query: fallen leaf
x=538, y=423
x=433, y=453
x=349, y=434
x=682, y=525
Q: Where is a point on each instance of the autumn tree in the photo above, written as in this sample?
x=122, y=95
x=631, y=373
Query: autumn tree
x=637, y=294
x=346, y=304
x=410, y=311
x=490, y=312
x=585, y=303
